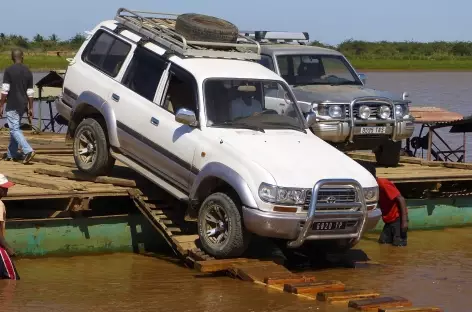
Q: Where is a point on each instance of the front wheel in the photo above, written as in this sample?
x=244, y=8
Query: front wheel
x=91, y=148
x=220, y=227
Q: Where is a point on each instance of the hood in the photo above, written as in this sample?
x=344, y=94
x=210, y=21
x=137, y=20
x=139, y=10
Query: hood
x=295, y=159
x=339, y=94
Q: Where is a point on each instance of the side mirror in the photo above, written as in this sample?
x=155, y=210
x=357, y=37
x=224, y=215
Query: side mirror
x=310, y=119
x=405, y=95
x=363, y=78
x=186, y=117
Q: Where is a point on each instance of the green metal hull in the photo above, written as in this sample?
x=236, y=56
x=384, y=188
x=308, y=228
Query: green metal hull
x=133, y=233
x=431, y=214
x=82, y=236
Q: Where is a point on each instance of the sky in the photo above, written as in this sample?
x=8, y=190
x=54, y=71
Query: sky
x=327, y=21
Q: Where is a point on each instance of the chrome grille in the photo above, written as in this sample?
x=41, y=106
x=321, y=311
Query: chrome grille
x=374, y=109
x=340, y=195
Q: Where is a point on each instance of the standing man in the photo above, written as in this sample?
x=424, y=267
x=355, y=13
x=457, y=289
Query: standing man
x=17, y=91
x=394, y=211
x=7, y=268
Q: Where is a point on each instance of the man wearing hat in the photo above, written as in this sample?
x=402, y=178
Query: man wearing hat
x=7, y=268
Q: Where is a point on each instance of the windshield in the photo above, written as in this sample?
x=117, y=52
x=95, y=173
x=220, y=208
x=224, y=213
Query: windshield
x=251, y=104
x=314, y=69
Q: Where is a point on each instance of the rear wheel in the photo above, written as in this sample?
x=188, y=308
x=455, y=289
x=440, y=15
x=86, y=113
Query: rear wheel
x=388, y=154
x=91, y=148
x=220, y=227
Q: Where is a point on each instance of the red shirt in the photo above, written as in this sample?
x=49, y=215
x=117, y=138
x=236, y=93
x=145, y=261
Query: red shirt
x=388, y=193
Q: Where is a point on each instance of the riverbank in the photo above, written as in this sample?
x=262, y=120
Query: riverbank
x=46, y=63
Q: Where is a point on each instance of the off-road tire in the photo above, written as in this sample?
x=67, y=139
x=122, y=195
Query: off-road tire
x=388, y=154
x=238, y=237
x=200, y=27
x=103, y=162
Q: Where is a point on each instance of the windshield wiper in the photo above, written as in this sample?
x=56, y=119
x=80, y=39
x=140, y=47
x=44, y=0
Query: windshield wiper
x=239, y=125
x=287, y=126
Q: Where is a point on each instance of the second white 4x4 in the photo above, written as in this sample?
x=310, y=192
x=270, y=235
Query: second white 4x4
x=199, y=119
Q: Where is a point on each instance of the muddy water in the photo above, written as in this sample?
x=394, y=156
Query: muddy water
x=435, y=269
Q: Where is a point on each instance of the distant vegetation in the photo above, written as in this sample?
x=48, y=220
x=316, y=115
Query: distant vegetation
x=42, y=53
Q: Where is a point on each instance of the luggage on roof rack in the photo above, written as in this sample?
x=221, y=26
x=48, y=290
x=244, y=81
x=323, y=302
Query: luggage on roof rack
x=160, y=27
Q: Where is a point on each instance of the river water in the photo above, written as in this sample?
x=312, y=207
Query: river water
x=435, y=269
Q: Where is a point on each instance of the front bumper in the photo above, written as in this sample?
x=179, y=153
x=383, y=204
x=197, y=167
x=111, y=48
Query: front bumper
x=299, y=227
x=339, y=131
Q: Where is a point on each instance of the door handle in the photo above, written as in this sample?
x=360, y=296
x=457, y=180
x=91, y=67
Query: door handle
x=115, y=97
x=154, y=121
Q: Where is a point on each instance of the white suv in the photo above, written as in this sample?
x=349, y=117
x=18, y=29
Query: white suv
x=206, y=126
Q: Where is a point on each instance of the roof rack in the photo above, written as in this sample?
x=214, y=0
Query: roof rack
x=272, y=37
x=160, y=27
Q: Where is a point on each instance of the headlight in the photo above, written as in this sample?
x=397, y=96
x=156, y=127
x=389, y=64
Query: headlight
x=399, y=110
x=371, y=194
x=281, y=195
x=335, y=111
x=384, y=112
x=364, y=112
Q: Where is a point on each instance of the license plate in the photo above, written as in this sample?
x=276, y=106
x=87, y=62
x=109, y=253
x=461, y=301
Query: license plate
x=329, y=226
x=373, y=130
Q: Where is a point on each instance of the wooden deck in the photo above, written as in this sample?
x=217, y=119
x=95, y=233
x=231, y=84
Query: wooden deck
x=53, y=173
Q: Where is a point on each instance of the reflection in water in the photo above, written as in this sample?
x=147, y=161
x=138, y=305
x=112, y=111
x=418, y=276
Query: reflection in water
x=435, y=269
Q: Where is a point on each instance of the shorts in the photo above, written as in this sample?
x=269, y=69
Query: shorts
x=7, y=267
x=392, y=233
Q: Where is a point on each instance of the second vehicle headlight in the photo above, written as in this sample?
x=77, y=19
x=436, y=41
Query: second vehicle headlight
x=371, y=194
x=335, y=111
x=281, y=195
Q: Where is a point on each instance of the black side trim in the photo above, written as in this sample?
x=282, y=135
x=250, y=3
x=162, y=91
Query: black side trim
x=70, y=94
x=158, y=148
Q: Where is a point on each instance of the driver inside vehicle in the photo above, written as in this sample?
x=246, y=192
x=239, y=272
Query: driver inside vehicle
x=244, y=101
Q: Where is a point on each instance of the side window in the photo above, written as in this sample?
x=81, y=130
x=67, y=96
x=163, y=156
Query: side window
x=144, y=73
x=267, y=62
x=181, y=92
x=283, y=65
x=106, y=53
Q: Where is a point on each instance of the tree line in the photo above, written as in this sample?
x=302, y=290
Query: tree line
x=40, y=42
x=407, y=50
x=355, y=49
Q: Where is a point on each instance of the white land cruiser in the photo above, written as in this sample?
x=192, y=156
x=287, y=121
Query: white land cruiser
x=198, y=119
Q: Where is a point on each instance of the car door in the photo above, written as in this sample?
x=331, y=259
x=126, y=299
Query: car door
x=178, y=141
x=143, y=125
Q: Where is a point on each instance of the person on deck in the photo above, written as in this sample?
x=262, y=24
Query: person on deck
x=394, y=211
x=17, y=91
x=7, y=268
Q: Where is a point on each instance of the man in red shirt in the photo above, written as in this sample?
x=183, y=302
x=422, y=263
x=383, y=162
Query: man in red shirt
x=394, y=211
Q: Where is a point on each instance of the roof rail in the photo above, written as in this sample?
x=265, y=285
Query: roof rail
x=271, y=37
x=160, y=27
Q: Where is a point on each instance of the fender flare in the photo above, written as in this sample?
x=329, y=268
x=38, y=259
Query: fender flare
x=89, y=99
x=225, y=173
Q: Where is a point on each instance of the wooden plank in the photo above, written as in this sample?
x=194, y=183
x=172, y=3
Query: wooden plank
x=210, y=266
x=54, y=161
x=314, y=287
x=77, y=175
x=411, y=309
x=345, y=296
x=258, y=271
x=288, y=278
x=379, y=303
x=44, y=183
